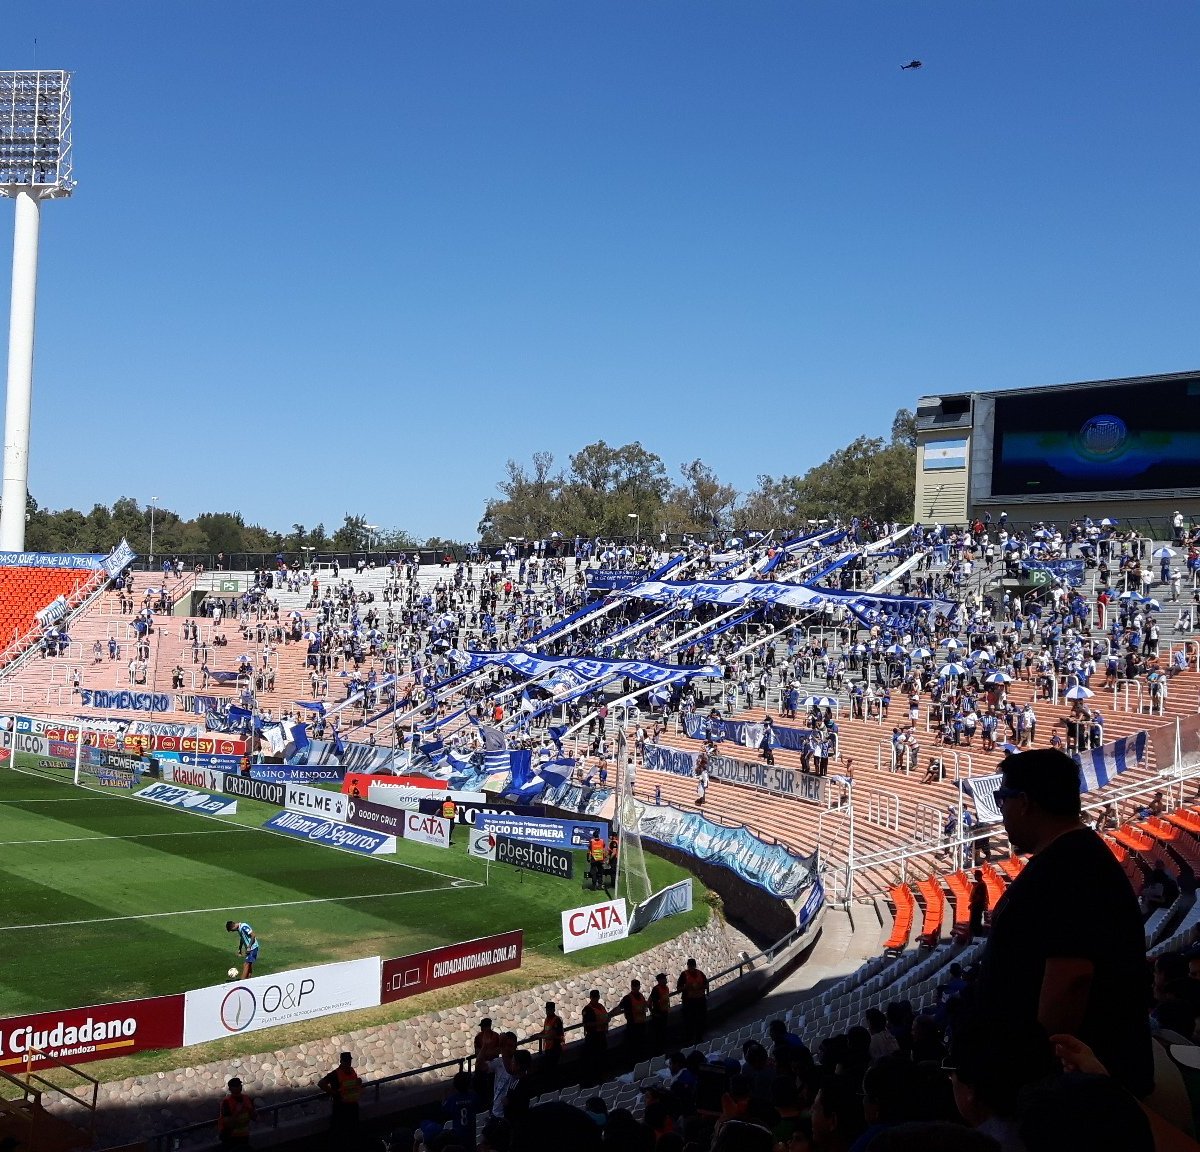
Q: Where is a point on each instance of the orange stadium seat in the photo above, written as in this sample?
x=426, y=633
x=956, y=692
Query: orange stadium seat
x=960, y=894
x=26, y=591
x=902, y=899
x=935, y=909
x=1011, y=867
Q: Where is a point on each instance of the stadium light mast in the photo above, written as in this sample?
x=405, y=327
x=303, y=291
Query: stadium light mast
x=35, y=165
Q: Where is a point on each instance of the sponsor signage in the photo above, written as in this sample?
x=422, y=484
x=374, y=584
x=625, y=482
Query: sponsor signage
x=481, y=844
x=207, y=745
x=126, y=701
x=374, y=817
x=34, y=745
x=452, y=964
x=113, y=778
x=287, y=774
x=103, y=758
x=32, y=724
x=331, y=833
x=230, y=1009
x=469, y=805
x=363, y=781
x=423, y=829
x=175, y=797
x=203, y=778
x=79, y=1035
x=542, y=830
x=273, y=794
x=535, y=857
x=671, y=901
x=595, y=924
x=207, y=760
x=315, y=802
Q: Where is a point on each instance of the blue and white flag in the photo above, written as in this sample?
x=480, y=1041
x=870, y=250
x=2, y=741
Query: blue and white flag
x=982, y=789
x=1099, y=766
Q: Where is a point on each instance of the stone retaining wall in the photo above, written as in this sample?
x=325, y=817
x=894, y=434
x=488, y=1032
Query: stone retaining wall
x=140, y=1106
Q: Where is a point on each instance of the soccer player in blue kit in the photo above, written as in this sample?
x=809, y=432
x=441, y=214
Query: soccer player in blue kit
x=247, y=945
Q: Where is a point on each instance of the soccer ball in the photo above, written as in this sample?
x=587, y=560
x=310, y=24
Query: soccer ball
x=233, y=973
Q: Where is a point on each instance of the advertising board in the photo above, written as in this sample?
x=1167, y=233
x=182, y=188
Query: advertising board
x=315, y=802
x=595, y=924
x=544, y=858
x=542, y=830
x=422, y=829
x=273, y=794
x=319, y=830
x=362, y=781
x=175, y=797
x=206, y=779
x=228, y=1009
x=481, y=844
x=374, y=817
x=79, y=1035
x=452, y=964
x=469, y=806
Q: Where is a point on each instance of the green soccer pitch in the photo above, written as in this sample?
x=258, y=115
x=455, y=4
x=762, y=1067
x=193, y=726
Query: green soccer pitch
x=106, y=897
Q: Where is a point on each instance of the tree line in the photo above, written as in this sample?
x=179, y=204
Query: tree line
x=606, y=491
x=625, y=491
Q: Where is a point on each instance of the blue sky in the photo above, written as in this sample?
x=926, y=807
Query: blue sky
x=350, y=258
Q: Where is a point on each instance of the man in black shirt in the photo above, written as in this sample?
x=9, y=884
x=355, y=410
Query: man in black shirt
x=1067, y=947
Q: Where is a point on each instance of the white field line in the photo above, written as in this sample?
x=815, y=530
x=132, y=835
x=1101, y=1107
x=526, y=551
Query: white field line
x=224, y=907
x=108, y=795
x=142, y=836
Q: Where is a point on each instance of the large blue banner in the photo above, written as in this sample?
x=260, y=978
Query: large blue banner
x=607, y=579
x=89, y=560
x=542, y=830
x=777, y=778
x=743, y=732
x=352, y=757
x=789, y=595
x=770, y=867
x=126, y=701
x=643, y=671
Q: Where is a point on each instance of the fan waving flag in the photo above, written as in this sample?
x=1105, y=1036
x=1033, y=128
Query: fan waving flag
x=1101, y=765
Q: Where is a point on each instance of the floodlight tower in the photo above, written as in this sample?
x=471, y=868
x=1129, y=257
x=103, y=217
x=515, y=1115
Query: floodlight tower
x=35, y=165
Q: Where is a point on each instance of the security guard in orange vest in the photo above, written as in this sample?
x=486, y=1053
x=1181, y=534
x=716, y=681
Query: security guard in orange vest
x=636, y=1009
x=449, y=812
x=551, y=1038
x=595, y=1039
x=343, y=1087
x=614, y=849
x=597, y=854
x=237, y=1111
x=660, y=1011
x=693, y=990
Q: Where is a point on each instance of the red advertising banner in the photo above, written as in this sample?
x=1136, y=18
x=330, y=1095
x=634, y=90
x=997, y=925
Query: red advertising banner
x=79, y=1035
x=202, y=745
x=452, y=964
x=363, y=780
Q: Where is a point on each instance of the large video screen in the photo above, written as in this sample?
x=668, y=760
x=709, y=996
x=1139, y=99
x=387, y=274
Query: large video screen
x=1122, y=437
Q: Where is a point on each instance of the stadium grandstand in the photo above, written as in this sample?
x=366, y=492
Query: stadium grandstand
x=815, y=722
